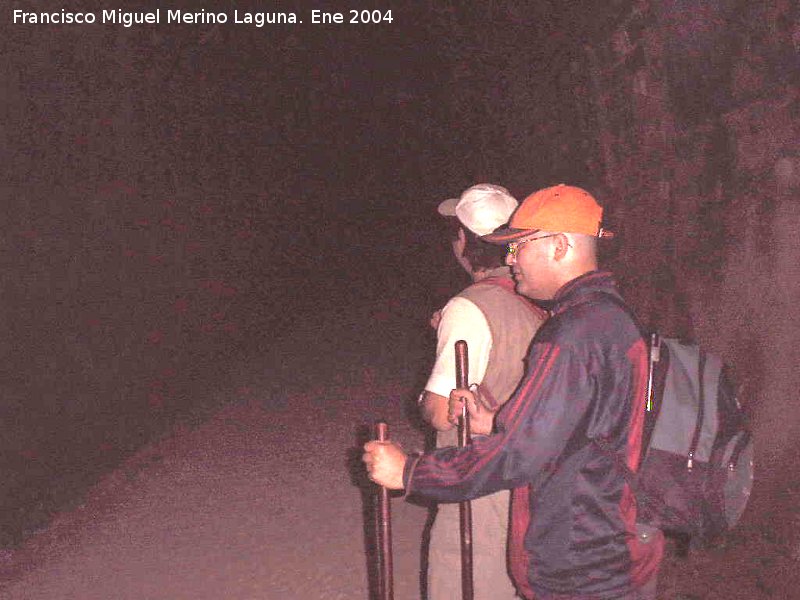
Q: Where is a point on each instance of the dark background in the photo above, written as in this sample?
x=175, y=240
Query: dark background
x=185, y=203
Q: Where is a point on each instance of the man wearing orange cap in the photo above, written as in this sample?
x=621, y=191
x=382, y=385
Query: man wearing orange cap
x=498, y=326
x=558, y=441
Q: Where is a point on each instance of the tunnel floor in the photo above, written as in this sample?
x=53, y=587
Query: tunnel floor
x=265, y=501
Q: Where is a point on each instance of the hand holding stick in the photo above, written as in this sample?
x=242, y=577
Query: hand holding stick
x=462, y=381
x=383, y=530
x=465, y=509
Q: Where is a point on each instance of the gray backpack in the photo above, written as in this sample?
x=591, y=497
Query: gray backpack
x=696, y=472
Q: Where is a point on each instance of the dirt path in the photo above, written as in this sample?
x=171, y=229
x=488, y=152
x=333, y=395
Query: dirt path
x=261, y=502
x=256, y=504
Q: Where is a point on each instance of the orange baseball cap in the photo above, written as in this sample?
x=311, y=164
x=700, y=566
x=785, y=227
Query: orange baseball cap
x=560, y=208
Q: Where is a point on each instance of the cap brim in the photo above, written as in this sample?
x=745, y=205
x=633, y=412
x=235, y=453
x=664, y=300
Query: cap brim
x=503, y=235
x=448, y=207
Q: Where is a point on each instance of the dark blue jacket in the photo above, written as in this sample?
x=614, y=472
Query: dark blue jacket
x=573, y=523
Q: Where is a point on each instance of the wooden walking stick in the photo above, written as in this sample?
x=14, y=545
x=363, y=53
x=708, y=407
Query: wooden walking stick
x=383, y=530
x=464, y=508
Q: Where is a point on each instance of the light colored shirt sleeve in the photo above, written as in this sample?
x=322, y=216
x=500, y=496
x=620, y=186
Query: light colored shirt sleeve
x=461, y=320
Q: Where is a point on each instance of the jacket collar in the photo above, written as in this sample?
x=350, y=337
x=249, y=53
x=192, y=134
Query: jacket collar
x=496, y=272
x=574, y=291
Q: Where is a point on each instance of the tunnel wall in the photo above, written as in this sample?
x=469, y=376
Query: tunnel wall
x=695, y=109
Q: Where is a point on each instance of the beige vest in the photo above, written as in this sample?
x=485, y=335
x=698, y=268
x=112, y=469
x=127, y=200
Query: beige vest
x=513, y=321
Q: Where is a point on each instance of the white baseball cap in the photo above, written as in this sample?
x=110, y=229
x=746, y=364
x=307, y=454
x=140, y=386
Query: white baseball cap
x=481, y=209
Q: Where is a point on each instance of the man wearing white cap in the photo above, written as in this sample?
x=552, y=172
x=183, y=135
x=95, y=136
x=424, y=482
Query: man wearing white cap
x=498, y=326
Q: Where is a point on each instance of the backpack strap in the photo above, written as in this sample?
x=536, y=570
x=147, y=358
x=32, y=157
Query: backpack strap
x=656, y=381
x=744, y=440
x=656, y=378
x=657, y=368
x=701, y=409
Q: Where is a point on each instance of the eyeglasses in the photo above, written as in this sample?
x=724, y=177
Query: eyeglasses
x=512, y=249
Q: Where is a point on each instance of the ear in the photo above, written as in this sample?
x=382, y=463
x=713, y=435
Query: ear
x=459, y=246
x=561, y=246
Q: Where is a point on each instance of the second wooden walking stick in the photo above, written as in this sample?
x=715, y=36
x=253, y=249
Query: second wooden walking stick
x=383, y=530
x=464, y=508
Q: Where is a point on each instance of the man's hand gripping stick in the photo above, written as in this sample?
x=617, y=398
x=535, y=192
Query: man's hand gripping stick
x=465, y=509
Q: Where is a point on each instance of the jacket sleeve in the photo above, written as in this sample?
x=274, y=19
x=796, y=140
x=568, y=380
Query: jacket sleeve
x=532, y=432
